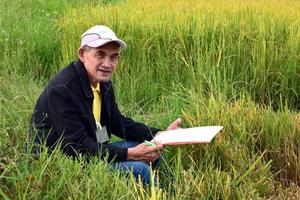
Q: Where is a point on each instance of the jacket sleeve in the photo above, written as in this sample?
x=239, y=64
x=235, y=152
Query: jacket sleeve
x=126, y=127
x=72, y=129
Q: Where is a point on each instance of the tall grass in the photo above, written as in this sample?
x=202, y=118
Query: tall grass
x=215, y=46
x=228, y=63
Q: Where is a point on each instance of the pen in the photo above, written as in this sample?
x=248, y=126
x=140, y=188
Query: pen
x=149, y=143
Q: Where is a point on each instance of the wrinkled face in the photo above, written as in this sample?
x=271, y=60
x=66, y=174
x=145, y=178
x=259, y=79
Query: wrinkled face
x=100, y=63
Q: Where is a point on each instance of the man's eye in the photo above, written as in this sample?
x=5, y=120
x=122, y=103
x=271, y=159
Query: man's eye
x=114, y=58
x=100, y=55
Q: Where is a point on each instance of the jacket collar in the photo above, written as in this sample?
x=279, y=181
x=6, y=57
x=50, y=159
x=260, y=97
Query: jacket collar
x=104, y=87
x=85, y=83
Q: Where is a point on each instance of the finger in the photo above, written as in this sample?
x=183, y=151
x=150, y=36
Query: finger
x=175, y=124
x=158, y=144
x=156, y=157
x=178, y=121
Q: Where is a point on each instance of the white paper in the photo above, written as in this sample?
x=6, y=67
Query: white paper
x=202, y=134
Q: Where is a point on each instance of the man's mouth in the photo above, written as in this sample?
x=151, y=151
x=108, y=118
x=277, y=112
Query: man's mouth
x=104, y=71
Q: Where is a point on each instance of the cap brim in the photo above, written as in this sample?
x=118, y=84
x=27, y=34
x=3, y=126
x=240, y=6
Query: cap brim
x=101, y=42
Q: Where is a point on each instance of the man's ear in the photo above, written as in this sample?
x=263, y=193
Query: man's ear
x=80, y=53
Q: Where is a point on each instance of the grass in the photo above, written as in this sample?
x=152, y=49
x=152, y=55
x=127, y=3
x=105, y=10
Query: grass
x=227, y=48
x=228, y=63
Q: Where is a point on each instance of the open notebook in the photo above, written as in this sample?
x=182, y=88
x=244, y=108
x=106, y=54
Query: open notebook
x=202, y=134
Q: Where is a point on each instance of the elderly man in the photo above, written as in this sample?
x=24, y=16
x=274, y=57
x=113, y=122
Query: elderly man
x=78, y=110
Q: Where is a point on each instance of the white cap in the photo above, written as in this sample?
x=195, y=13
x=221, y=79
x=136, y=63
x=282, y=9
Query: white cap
x=100, y=35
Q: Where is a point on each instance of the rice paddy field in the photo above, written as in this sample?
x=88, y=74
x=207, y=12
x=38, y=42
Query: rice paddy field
x=229, y=63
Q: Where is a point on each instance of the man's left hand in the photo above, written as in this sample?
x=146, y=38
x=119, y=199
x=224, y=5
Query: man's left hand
x=174, y=125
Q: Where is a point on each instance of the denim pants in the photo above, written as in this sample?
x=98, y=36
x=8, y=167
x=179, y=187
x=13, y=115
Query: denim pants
x=138, y=168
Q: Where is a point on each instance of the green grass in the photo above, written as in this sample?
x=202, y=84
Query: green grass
x=210, y=62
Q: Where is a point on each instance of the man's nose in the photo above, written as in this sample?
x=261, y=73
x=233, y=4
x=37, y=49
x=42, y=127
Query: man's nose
x=106, y=62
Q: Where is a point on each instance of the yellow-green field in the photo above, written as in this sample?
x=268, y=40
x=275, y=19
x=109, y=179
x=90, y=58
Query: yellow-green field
x=229, y=63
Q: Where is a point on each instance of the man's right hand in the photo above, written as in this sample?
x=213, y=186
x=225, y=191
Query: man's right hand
x=144, y=153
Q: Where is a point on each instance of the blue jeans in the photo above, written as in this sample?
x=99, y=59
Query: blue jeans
x=138, y=168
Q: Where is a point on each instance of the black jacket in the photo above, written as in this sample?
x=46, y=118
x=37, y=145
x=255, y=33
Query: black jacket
x=63, y=114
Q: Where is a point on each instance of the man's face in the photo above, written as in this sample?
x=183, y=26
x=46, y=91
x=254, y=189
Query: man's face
x=100, y=63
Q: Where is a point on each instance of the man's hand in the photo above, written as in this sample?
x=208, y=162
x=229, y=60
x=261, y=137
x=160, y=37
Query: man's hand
x=143, y=152
x=174, y=125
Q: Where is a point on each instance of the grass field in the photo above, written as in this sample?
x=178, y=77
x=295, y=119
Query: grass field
x=229, y=63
